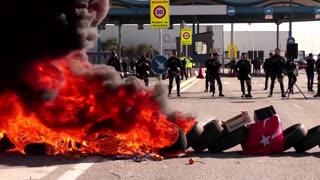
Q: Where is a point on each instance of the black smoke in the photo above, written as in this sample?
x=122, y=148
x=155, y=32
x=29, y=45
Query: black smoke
x=42, y=30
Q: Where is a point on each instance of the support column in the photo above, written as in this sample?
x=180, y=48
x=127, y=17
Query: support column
x=231, y=39
x=119, y=38
x=290, y=20
x=277, y=40
x=193, y=36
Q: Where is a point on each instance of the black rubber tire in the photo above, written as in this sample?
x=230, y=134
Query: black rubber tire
x=212, y=131
x=229, y=140
x=194, y=134
x=293, y=135
x=311, y=140
x=179, y=146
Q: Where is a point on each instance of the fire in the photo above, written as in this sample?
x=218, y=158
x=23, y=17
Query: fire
x=84, y=108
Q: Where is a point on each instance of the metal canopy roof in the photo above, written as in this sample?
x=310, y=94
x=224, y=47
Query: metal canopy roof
x=137, y=11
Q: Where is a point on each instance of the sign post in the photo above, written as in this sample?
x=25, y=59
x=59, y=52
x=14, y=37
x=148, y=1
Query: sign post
x=160, y=18
x=159, y=64
x=186, y=36
x=159, y=14
x=268, y=11
x=232, y=52
x=317, y=12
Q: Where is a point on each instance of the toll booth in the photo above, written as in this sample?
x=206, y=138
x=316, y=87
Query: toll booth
x=204, y=45
x=93, y=57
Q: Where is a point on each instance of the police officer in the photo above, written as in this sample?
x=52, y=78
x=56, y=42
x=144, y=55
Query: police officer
x=291, y=67
x=174, y=67
x=318, y=72
x=143, y=68
x=243, y=68
x=277, y=64
x=183, y=66
x=310, y=71
x=189, y=63
x=266, y=68
x=213, y=70
x=114, y=61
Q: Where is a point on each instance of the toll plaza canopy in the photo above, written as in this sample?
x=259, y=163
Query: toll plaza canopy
x=216, y=11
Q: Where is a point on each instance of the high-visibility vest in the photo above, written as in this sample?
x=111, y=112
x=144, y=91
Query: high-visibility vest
x=189, y=63
x=182, y=58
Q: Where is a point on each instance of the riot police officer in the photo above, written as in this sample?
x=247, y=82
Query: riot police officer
x=143, y=68
x=183, y=66
x=213, y=70
x=310, y=71
x=174, y=67
x=277, y=65
x=266, y=68
x=243, y=68
x=318, y=72
x=291, y=67
x=114, y=61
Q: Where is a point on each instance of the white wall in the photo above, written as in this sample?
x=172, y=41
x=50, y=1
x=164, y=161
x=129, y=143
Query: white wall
x=245, y=40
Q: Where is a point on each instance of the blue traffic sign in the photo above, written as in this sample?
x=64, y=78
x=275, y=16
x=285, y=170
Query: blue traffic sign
x=231, y=11
x=159, y=64
x=268, y=10
x=317, y=10
x=291, y=40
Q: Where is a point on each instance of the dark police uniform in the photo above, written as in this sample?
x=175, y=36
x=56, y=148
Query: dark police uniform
x=266, y=68
x=213, y=73
x=174, y=67
x=243, y=68
x=277, y=65
x=143, y=69
x=114, y=61
x=310, y=73
x=291, y=67
x=318, y=72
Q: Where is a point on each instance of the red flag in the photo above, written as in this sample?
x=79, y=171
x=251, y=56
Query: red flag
x=265, y=137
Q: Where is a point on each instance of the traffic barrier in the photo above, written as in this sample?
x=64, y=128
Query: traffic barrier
x=201, y=73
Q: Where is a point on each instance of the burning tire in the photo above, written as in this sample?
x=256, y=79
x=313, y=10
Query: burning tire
x=5, y=144
x=212, y=131
x=311, y=140
x=229, y=140
x=178, y=147
x=293, y=135
x=194, y=134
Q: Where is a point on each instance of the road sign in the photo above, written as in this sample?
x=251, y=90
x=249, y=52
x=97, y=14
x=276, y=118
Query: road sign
x=159, y=14
x=186, y=36
x=291, y=40
x=232, y=52
x=159, y=64
x=231, y=11
x=317, y=10
x=268, y=10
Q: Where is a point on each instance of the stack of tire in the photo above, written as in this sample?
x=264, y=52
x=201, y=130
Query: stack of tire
x=215, y=137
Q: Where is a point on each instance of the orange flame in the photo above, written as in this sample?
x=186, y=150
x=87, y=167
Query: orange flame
x=86, y=115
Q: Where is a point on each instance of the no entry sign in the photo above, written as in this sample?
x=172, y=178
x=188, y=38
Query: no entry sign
x=186, y=37
x=159, y=14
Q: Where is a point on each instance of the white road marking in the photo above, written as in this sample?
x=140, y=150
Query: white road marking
x=26, y=173
x=191, y=84
x=297, y=106
x=80, y=168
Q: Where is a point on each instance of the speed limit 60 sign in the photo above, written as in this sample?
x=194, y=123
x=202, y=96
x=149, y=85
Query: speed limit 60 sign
x=186, y=36
x=159, y=14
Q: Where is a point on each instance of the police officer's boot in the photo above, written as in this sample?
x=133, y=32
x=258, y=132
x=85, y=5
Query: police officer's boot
x=220, y=94
x=318, y=93
x=211, y=88
x=249, y=90
x=282, y=90
x=271, y=91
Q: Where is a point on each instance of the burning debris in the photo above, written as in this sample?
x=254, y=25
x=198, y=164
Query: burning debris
x=53, y=101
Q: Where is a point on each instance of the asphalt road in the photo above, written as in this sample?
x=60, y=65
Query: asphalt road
x=227, y=165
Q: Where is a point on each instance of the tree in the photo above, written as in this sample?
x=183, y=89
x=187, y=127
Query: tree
x=110, y=45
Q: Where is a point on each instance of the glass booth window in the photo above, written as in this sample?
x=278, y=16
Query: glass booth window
x=201, y=47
